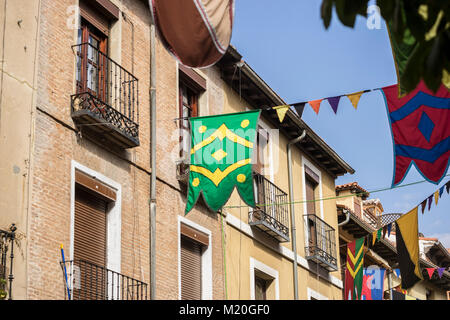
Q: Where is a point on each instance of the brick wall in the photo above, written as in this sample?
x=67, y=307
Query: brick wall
x=56, y=144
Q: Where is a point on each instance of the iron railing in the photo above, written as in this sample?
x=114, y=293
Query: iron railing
x=7, y=239
x=320, y=245
x=272, y=212
x=106, y=89
x=88, y=281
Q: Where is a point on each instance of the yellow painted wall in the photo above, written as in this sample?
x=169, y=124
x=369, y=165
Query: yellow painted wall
x=240, y=246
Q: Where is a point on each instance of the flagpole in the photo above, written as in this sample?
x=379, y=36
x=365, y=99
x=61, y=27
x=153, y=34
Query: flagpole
x=65, y=271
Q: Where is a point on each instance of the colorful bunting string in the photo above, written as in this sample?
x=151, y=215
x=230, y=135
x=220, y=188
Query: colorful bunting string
x=315, y=104
x=431, y=271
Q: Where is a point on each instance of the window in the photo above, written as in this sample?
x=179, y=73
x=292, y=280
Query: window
x=311, y=209
x=260, y=288
x=92, y=200
x=191, y=86
x=262, y=143
x=188, y=108
x=262, y=195
x=193, y=244
x=357, y=206
x=92, y=63
x=263, y=281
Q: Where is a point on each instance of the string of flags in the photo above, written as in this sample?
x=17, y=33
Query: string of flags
x=316, y=104
x=434, y=197
x=431, y=271
x=418, y=126
x=406, y=233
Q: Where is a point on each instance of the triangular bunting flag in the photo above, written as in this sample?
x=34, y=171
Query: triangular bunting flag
x=354, y=98
x=389, y=227
x=447, y=186
x=374, y=237
x=441, y=191
x=315, y=104
x=379, y=231
x=334, y=102
x=440, y=272
x=436, y=197
x=430, y=272
x=430, y=199
x=299, y=108
x=384, y=231
x=424, y=203
x=281, y=112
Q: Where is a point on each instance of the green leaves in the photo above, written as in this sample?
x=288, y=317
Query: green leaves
x=421, y=25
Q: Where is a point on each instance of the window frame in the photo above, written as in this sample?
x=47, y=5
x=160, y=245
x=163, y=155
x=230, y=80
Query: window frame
x=206, y=285
x=272, y=274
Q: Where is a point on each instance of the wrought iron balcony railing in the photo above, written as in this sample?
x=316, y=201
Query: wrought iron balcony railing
x=321, y=245
x=106, y=101
x=7, y=239
x=88, y=281
x=272, y=213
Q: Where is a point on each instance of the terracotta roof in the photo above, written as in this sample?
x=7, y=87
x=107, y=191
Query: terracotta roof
x=351, y=186
x=424, y=238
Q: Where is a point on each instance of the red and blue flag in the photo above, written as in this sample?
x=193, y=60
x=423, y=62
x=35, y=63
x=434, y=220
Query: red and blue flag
x=420, y=125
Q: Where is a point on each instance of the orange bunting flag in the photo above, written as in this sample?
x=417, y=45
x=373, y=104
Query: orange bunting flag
x=315, y=104
x=354, y=98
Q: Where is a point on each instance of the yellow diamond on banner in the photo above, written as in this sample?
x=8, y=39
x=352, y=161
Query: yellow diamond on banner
x=219, y=155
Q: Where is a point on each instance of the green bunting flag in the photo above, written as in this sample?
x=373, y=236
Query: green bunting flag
x=221, y=155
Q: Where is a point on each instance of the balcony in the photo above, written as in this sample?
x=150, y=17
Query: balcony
x=87, y=281
x=321, y=246
x=271, y=214
x=106, y=103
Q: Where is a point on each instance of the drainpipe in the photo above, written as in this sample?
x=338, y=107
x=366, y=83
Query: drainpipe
x=291, y=192
x=347, y=219
x=152, y=163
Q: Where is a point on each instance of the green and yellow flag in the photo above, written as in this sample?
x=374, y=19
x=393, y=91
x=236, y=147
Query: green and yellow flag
x=221, y=154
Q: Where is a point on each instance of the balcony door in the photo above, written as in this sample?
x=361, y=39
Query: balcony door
x=92, y=61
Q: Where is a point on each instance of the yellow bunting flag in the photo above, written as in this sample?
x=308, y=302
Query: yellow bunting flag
x=315, y=104
x=281, y=112
x=436, y=196
x=354, y=98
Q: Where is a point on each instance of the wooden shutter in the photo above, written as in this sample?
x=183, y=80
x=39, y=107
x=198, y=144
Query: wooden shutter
x=357, y=207
x=90, y=227
x=191, y=269
x=311, y=210
x=310, y=205
x=90, y=245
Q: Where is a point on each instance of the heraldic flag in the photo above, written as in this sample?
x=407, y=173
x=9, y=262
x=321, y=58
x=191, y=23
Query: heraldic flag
x=221, y=158
x=420, y=130
x=407, y=240
x=354, y=270
x=419, y=119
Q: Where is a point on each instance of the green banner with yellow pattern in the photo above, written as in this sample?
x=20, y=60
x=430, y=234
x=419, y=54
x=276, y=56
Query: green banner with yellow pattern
x=221, y=158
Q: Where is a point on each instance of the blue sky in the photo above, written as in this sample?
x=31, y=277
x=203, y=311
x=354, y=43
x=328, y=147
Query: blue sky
x=286, y=43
